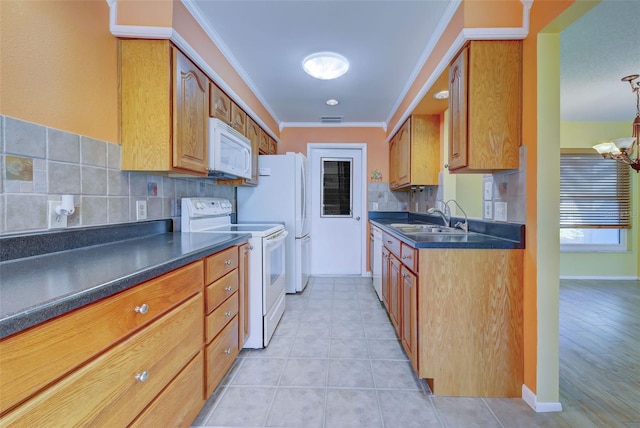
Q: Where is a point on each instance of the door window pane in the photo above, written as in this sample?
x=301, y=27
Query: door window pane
x=337, y=187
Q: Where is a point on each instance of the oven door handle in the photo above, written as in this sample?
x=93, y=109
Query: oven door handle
x=272, y=241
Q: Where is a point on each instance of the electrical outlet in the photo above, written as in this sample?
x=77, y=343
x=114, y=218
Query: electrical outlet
x=488, y=210
x=375, y=206
x=141, y=210
x=56, y=221
x=500, y=211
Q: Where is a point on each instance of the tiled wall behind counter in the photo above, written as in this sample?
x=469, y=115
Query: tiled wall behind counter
x=39, y=164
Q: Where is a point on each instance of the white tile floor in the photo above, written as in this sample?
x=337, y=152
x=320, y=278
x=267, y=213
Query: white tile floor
x=335, y=361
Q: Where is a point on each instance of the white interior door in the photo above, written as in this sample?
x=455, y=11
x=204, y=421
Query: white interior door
x=337, y=201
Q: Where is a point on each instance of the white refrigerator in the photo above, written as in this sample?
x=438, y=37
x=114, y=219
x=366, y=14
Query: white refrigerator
x=282, y=195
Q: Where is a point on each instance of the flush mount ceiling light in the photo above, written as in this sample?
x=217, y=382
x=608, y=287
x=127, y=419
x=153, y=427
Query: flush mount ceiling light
x=325, y=65
x=332, y=102
x=442, y=95
x=622, y=149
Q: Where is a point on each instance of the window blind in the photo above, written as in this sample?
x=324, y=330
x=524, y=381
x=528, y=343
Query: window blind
x=594, y=192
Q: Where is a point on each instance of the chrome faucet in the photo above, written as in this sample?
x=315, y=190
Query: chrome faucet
x=464, y=226
x=445, y=219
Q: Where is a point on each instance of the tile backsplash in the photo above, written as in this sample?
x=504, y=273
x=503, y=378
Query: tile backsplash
x=40, y=164
x=505, y=190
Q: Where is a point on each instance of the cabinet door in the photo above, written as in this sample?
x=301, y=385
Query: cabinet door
x=219, y=104
x=385, y=278
x=409, y=323
x=273, y=147
x=264, y=143
x=394, y=293
x=243, y=288
x=238, y=119
x=393, y=162
x=458, y=111
x=190, y=114
x=403, y=155
x=253, y=134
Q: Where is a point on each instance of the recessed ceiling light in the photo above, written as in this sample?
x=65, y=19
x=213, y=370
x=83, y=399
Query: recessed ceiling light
x=325, y=65
x=442, y=95
x=332, y=102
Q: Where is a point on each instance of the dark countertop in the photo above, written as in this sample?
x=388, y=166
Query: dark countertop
x=38, y=288
x=483, y=234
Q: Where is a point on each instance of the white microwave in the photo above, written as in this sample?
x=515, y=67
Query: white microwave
x=229, y=152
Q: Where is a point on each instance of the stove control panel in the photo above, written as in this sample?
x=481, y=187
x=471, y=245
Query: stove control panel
x=197, y=207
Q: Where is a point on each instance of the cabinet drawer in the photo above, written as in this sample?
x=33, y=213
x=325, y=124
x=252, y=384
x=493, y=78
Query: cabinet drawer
x=219, y=264
x=220, y=290
x=113, y=389
x=220, y=354
x=409, y=256
x=37, y=357
x=392, y=243
x=179, y=404
x=217, y=319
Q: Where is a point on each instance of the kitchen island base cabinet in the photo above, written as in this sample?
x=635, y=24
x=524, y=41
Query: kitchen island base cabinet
x=470, y=322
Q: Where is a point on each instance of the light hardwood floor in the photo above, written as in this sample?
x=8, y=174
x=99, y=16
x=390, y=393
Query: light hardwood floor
x=600, y=353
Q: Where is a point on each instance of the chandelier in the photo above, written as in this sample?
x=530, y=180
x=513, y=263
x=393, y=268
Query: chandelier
x=623, y=149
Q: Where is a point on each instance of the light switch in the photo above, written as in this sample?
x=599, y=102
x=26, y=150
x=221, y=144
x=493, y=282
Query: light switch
x=500, y=211
x=488, y=187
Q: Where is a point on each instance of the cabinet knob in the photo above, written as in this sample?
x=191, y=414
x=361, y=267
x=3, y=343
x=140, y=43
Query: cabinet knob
x=227, y=262
x=227, y=351
x=228, y=313
x=142, y=377
x=228, y=288
x=142, y=309
x=446, y=165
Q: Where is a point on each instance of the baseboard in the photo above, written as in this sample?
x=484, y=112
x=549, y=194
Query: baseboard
x=602, y=278
x=530, y=398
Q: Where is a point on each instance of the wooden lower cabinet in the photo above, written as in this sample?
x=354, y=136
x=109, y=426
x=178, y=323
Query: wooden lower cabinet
x=409, y=322
x=470, y=322
x=166, y=410
x=458, y=315
x=142, y=357
x=394, y=293
x=114, y=388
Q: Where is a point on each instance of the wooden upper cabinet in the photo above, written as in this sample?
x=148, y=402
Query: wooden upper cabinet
x=253, y=134
x=219, y=104
x=414, y=153
x=273, y=146
x=485, y=97
x=238, y=119
x=264, y=143
x=164, y=101
x=190, y=107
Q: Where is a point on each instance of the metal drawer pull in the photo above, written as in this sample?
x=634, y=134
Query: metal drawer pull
x=142, y=377
x=404, y=275
x=228, y=262
x=228, y=313
x=142, y=309
x=227, y=351
x=228, y=288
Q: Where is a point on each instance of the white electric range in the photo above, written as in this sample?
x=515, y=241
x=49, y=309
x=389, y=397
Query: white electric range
x=266, y=261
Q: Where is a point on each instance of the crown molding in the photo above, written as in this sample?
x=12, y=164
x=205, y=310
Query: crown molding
x=197, y=14
x=134, y=31
x=382, y=125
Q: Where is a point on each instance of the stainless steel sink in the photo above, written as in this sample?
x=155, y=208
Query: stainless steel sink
x=412, y=229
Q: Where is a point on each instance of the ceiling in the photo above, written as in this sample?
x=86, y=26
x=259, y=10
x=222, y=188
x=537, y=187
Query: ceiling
x=387, y=42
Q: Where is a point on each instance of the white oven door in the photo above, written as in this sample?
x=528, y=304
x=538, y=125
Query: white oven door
x=273, y=273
